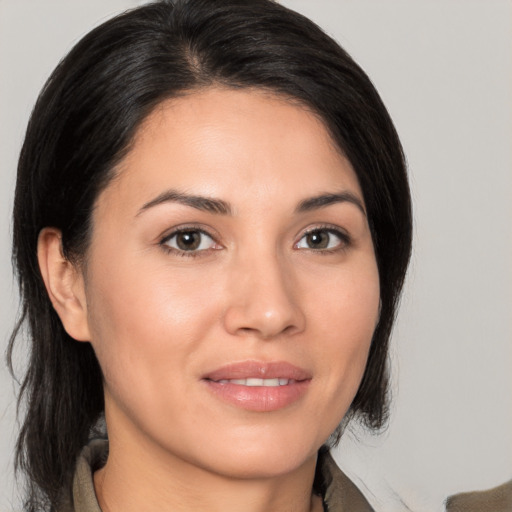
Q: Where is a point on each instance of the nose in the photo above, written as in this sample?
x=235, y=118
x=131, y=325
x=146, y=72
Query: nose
x=264, y=300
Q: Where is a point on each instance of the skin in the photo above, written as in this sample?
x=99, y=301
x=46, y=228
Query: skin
x=256, y=289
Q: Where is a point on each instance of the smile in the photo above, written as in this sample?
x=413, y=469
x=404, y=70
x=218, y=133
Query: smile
x=258, y=386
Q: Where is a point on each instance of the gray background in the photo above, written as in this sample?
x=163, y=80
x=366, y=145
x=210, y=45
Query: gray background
x=444, y=69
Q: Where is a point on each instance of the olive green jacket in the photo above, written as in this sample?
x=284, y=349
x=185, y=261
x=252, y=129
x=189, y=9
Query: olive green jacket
x=497, y=499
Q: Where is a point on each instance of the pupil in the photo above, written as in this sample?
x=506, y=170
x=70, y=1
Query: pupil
x=318, y=240
x=188, y=240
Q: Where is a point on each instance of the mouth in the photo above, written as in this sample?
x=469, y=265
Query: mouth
x=258, y=386
x=253, y=382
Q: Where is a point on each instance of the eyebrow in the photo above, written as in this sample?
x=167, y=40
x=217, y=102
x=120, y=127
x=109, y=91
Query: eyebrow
x=205, y=204
x=323, y=200
x=218, y=206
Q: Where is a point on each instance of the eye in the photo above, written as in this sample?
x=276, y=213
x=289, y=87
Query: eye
x=189, y=240
x=323, y=239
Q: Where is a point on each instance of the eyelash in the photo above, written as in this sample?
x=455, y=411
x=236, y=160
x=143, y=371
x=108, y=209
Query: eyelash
x=186, y=254
x=343, y=236
x=345, y=241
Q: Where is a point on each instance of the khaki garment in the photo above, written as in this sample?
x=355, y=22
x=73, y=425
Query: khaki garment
x=341, y=494
x=497, y=499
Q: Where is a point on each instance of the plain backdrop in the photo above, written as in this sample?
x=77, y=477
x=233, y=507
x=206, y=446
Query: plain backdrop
x=444, y=69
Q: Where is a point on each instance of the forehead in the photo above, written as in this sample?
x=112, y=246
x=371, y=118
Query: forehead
x=223, y=142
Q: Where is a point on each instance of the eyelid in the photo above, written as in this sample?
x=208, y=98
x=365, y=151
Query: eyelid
x=324, y=226
x=180, y=228
x=338, y=231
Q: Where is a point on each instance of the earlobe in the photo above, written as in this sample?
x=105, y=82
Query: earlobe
x=64, y=284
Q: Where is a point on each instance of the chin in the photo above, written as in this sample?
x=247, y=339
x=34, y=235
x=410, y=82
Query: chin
x=262, y=456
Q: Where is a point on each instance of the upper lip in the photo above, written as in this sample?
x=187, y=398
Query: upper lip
x=258, y=370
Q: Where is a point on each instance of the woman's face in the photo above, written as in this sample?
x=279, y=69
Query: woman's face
x=231, y=285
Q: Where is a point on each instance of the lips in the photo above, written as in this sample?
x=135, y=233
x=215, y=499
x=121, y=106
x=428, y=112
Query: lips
x=258, y=370
x=258, y=386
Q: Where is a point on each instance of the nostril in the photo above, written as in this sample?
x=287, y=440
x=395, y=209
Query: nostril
x=268, y=333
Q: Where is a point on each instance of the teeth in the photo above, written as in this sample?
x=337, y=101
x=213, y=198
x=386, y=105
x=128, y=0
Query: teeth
x=257, y=382
x=254, y=382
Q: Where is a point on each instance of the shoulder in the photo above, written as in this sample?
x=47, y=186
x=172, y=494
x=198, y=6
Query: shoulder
x=82, y=498
x=339, y=492
x=497, y=499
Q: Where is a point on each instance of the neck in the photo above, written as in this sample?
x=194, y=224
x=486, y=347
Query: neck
x=137, y=477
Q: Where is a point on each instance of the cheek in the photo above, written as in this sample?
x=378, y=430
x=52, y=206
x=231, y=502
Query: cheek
x=348, y=304
x=142, y=319
x=348, y=314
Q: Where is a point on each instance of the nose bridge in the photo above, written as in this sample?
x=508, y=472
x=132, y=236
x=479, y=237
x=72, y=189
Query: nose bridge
x=263, y=298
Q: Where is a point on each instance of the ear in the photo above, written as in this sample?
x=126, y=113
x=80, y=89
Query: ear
x=64, y=283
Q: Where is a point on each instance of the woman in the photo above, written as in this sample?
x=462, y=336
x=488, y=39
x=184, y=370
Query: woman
x=211, y=229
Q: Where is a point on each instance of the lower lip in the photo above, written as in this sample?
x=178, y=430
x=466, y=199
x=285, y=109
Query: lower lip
x=259, y=398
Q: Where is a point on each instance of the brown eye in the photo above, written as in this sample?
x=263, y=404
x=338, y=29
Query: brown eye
x=320, y=239
x=189, y=241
